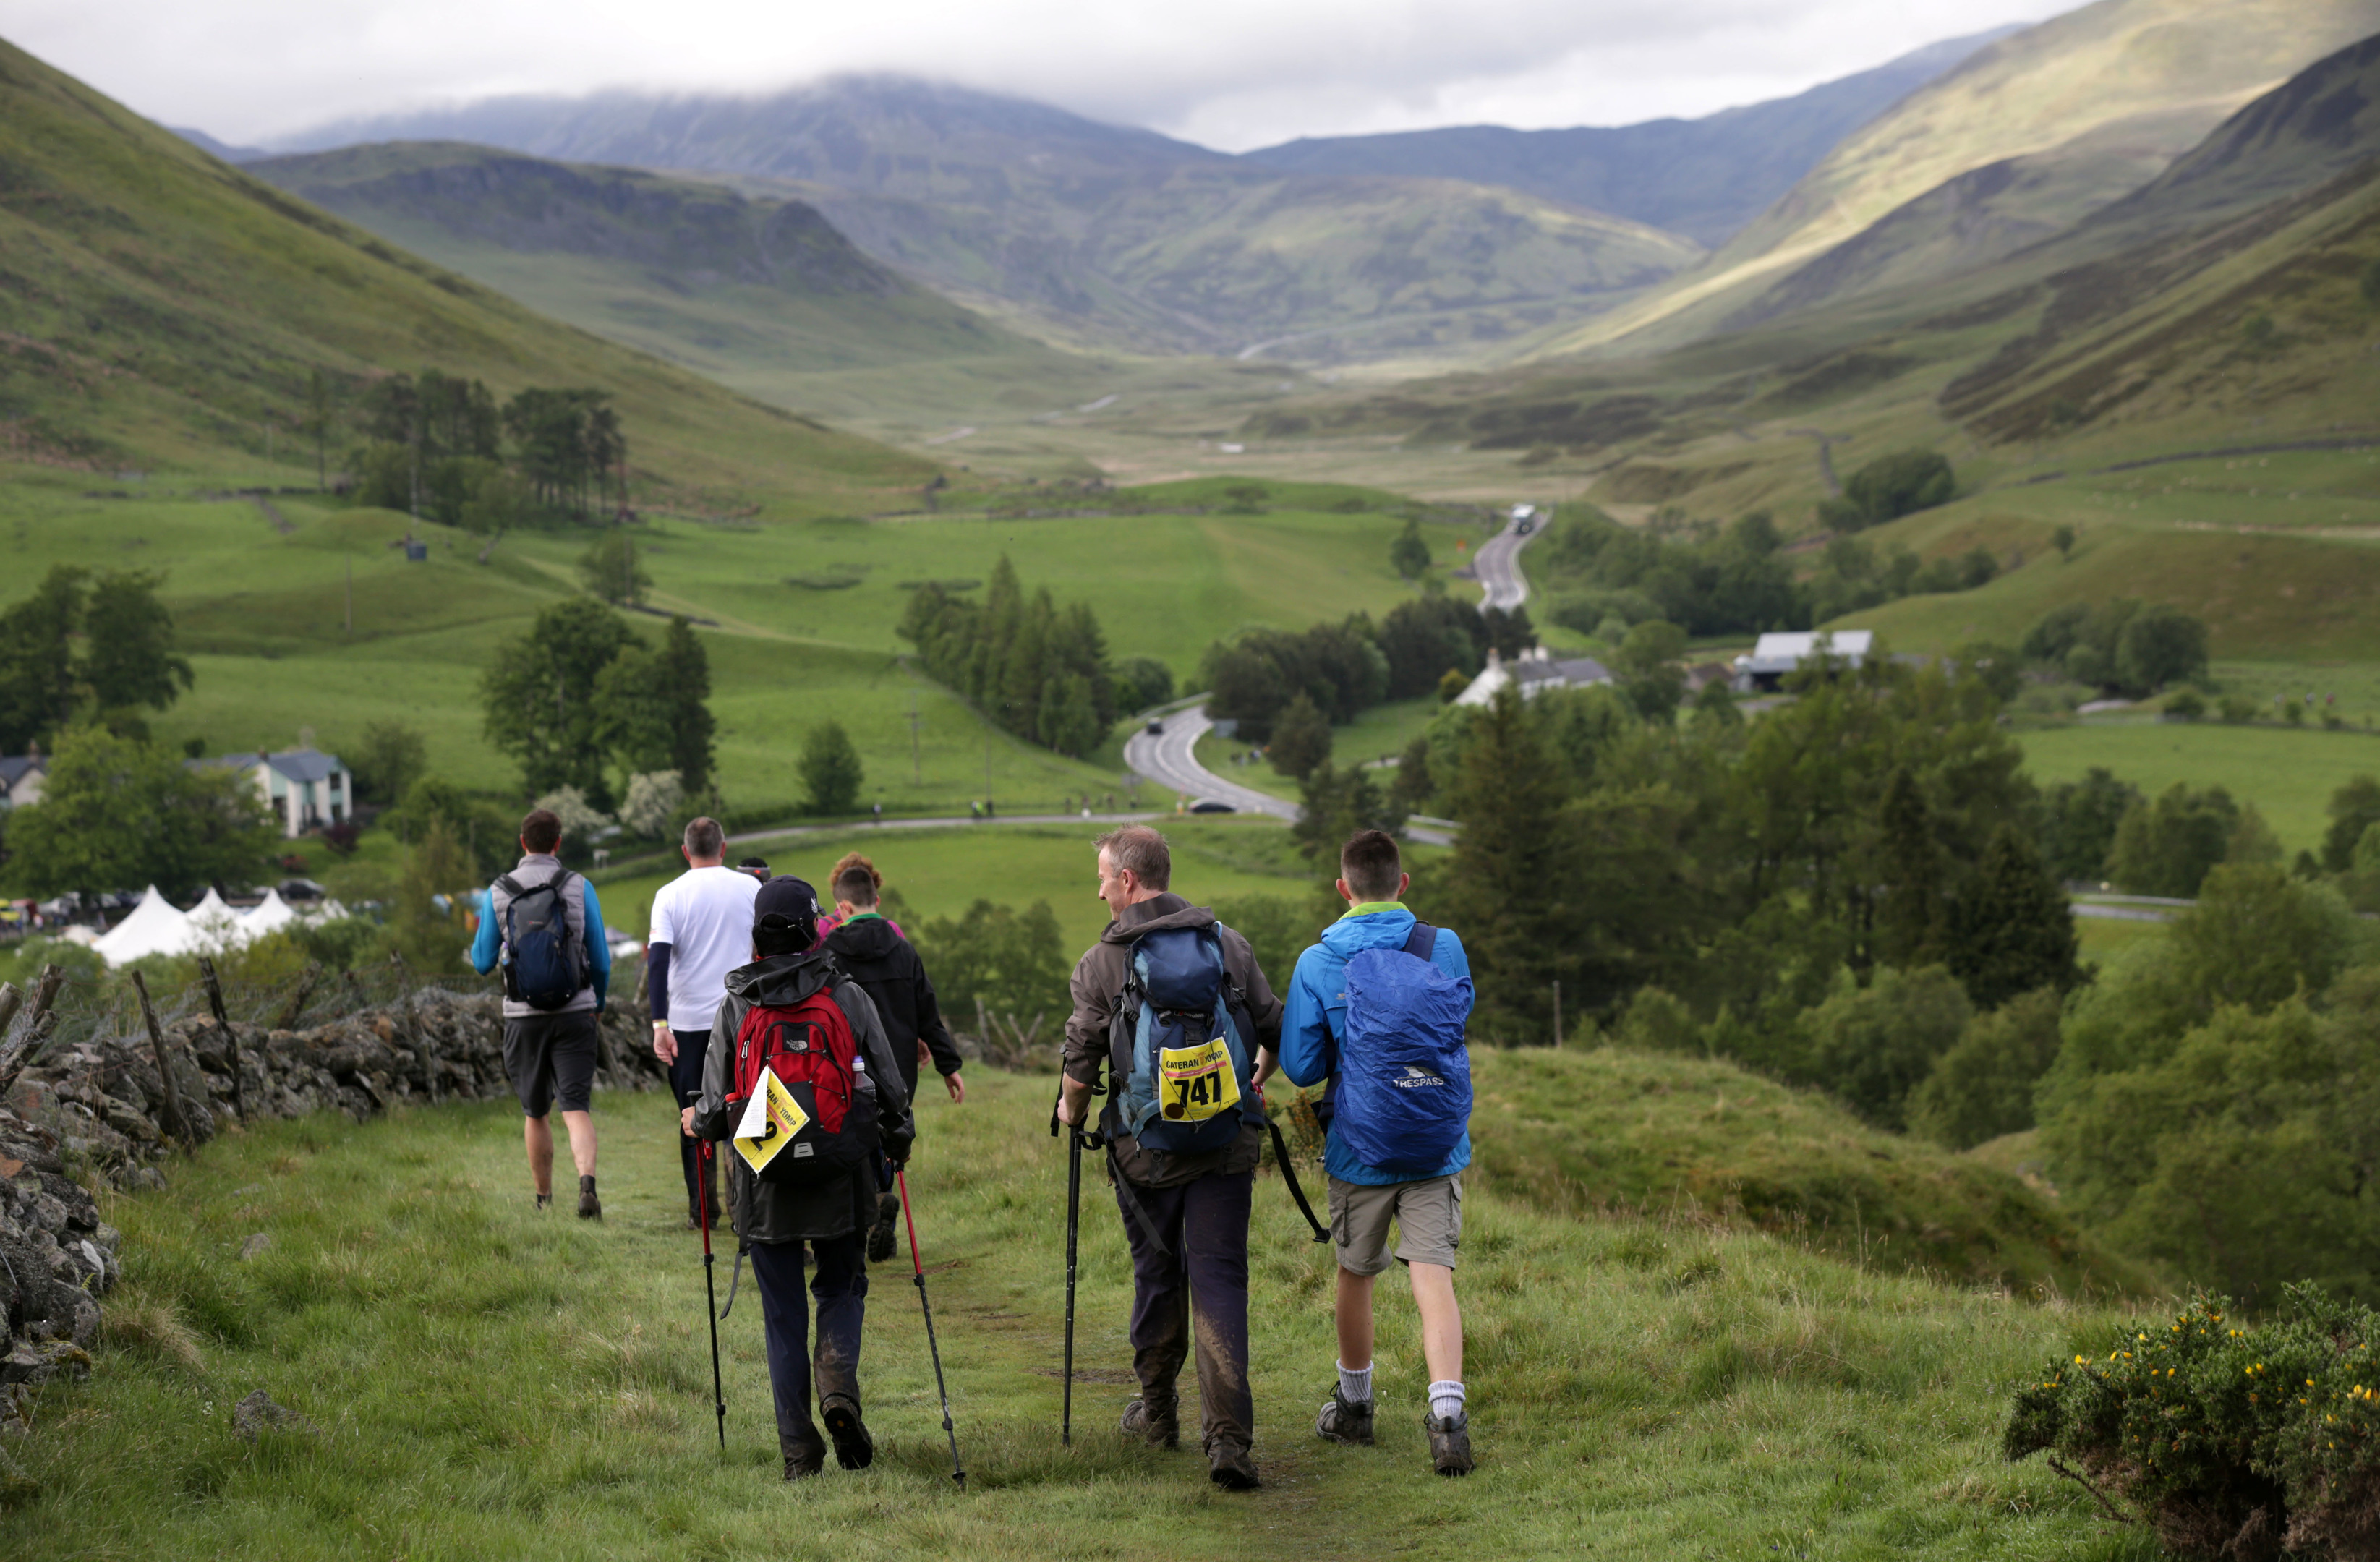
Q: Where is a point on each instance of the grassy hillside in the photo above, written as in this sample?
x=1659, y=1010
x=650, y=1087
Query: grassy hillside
x=482, y=1380
x=1703, y=178
x=2095, y=102
x=760, y=295
x=168, y=311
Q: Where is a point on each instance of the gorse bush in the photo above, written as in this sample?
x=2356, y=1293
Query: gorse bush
x=2225, y=1438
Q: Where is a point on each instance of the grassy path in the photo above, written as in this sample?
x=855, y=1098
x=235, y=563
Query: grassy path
x=482, y=1380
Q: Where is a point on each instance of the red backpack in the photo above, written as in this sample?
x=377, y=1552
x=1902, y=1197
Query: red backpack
x=809, y=1046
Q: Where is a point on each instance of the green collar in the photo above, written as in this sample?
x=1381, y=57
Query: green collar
x=1373, y=908
x=862, y=917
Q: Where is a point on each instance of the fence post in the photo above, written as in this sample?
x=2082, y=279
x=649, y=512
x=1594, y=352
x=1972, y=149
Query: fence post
x=165, y=1061
x=1557, y=1012
x=231, y=1037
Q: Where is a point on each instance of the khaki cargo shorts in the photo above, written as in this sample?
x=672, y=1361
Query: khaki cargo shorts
x=1428, y=1215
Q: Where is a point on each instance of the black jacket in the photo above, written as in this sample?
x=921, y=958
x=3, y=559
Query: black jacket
x=889, y=971
x=766, y=1212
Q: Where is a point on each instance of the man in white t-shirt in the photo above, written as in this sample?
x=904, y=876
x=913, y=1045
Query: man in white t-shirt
x=701, y=929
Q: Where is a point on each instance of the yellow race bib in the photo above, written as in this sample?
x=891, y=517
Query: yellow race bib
x=1195, y=1083
x=769, y=1123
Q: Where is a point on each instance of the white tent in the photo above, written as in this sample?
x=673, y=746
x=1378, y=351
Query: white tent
x=269, y=916
x=213, y=926
x=154, y=928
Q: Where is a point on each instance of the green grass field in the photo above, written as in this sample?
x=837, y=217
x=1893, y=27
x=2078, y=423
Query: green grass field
x=2289, y=774
x=940, y=872
x=266, y=616
x=482, y=1380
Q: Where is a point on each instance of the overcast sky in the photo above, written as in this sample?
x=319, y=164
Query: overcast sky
x=1231, y=74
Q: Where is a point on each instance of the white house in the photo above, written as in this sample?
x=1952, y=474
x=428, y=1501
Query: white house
x=1534, y=671
x=21, y=776
x=1774, y=656
x=307, y=788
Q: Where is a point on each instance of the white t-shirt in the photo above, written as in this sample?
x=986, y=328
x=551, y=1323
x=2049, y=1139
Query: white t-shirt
x=705, y=916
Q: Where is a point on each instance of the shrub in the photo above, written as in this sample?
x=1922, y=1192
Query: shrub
x=1871, y=1045
x=831, y=771
x=1898, y=484
x=1300, y=739
x=2226, y=1438
x=2187, y=705
x=1983, y=1088
x=1142, y=682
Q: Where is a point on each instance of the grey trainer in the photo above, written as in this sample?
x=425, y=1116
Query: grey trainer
x=1449, y=1442
x=1345, y=1421
x=1158, y=1427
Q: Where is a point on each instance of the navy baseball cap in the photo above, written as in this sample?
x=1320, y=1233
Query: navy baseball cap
x=785, y=905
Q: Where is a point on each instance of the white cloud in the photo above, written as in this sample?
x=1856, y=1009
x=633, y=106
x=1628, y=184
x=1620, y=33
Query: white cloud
x=1229, y=73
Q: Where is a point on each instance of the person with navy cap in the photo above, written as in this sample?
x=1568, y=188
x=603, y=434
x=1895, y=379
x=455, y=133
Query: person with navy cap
x=821, y=1221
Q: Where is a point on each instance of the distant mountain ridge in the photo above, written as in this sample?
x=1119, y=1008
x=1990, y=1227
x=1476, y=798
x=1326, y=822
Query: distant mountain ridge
x=1703, y=178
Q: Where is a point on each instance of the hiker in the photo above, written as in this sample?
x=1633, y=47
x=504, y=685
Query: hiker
x=543, y=924
x=1184, y=1192
x=819, y=1192
x=1397, y=1111
x=757, y=866
x=888, y=970
x=843, y=865
x=701, y=929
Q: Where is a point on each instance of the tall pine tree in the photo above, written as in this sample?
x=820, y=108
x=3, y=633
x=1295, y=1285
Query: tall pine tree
x=2015, y=930
x=686, y=671
x=1511, y=892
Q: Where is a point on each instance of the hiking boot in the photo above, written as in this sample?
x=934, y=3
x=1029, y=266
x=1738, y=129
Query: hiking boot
x=852, y=1448
x=1344, y=1422
x=589, y=1207
x=1229, y=1466
x=804, y=1456
x=1158, y=1428
x=545, y=1200
x=880, y=1236
x=1449, y=1443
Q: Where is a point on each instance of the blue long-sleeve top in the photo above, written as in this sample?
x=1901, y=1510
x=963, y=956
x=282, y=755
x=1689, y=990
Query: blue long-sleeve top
x=1316, y=1018
x=487, y=946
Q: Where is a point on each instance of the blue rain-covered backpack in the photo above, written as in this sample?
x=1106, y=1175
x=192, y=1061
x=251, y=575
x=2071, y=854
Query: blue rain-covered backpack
x=544, y=965
x=1402, y=1100
x=1180, y=1047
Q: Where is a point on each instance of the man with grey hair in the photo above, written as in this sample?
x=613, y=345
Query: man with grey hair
x=1184, y=1174
x=701, y=929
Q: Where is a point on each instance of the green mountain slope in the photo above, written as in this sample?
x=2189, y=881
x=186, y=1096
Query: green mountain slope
x=2074, y=113
x=167, y=310
x=1703, y=178
x=1100, y=235
x=762, y=295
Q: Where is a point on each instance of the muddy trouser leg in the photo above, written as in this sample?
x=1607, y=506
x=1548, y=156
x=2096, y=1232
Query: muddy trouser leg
x=841, y=1287
x=685, y=1079
x=1161, y=1292
x=784, y=1318
x=1215, y=1239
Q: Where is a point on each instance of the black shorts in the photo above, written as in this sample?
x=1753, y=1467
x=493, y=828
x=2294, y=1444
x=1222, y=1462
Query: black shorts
x=551, y=1056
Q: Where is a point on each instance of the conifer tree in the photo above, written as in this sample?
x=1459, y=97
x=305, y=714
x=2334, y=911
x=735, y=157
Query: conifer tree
x=1907, y=934
x=1512, y=879
x=685, y=670
x=1301, y=738
x=2015, y=930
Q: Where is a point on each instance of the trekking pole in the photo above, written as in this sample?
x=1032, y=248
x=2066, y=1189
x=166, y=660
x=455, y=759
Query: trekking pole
x=1073, y=1226
x=909, y=1213
x=709, y=1290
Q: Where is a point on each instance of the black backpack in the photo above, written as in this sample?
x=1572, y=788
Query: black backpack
x=544, y=966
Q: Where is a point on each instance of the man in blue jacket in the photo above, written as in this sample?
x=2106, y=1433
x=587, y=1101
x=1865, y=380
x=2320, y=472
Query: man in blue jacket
x=1364, y=1199
x=551, y=1052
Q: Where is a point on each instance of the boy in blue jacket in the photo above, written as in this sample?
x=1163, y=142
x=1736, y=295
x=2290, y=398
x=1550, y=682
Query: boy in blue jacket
x=1364, y=1199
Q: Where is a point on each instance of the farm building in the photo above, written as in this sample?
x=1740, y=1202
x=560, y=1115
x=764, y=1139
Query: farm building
x=1774, y=657
x=20, y=780
x=1534, y=671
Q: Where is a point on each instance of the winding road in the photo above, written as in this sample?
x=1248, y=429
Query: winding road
x=1497, y=565
x=1168, y=759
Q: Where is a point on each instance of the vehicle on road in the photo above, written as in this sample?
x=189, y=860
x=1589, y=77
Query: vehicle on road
x=1156, y=726
x=1523, y=529
x=1211, y=805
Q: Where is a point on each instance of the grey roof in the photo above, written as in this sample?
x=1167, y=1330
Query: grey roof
x=1585, y=670
x=14, y=766
x=1579, y=671
x=1784, y=652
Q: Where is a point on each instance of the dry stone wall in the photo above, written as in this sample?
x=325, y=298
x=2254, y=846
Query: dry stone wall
x=98, y=1112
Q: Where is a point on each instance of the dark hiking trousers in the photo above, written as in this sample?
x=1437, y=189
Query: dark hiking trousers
x=841, y=1287
x=686, y=1079
x=1206, y=1224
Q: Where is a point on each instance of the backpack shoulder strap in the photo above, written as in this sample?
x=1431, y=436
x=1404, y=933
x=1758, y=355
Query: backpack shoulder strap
x=1421, y=942
x=510, y=886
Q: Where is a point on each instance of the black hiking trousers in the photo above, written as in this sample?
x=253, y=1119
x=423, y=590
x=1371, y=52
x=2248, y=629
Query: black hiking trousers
x=796, y=1368
x=686, y=1082
x=1204, y=1223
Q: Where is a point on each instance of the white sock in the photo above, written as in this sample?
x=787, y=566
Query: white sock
x=1445, y=1400
x=1354, y=1386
